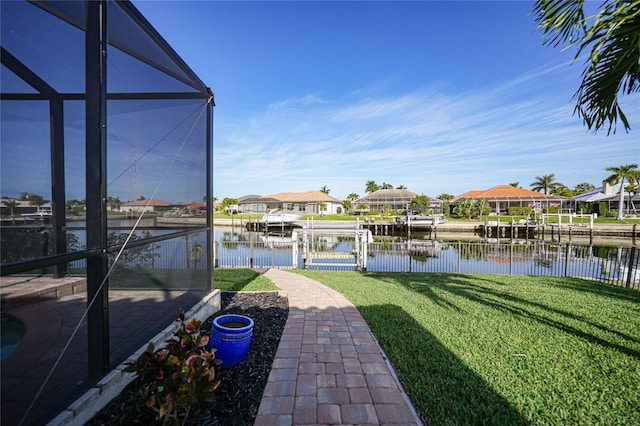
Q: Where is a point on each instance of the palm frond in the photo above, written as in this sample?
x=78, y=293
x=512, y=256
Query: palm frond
x=614, y=67
x=561, y=21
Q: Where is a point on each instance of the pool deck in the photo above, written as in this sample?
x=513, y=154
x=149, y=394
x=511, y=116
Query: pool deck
x=50, y=310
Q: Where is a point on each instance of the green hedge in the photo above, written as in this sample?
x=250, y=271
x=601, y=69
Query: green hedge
x=520, y=211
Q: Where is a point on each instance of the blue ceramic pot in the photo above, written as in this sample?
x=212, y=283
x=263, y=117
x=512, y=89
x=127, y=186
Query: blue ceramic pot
x=231, y=336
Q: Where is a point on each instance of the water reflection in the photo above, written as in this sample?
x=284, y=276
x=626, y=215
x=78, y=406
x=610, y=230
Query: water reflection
x=611, y=259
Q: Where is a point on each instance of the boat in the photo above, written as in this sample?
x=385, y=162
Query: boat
x=420, y=221
x=277, y=217
x=42, y=214
x=174, y=212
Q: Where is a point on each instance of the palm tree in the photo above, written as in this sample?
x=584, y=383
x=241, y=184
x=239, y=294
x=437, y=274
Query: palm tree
x=633, y=188
x=12, y=204
x=420, y=203
x=620, y=174
x=483, y=207
x=322, y=206
x=386, y=185
x=583, y=187
x=353, y=196
x=229, y=205
x=401, y=187
x=545, y=183
x=562, y=191
x=325, y=190
x=113, y=203
x=444, y=196
x=371, y=186
x=613, y=36
x=515, y=184
x=362, y=207
x=464, y=208
x=35, y=200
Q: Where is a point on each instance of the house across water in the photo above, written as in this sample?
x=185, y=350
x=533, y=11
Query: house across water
x=309, y=202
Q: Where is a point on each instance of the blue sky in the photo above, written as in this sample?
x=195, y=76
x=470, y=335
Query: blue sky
x=441, y=97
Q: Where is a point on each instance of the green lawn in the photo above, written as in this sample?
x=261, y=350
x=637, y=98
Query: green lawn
x=241, y=280
x=494, y=349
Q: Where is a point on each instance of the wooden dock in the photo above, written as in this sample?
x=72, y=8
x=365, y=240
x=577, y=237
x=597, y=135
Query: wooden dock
x=497, y=229
x=390, y=228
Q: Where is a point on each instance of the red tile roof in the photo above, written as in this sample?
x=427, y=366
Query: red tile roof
x=504, y=192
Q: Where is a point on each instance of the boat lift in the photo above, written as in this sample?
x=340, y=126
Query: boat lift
x=314, y=256
x=570, y=216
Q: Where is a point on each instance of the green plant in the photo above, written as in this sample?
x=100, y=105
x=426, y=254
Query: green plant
x=585, y=207
x=603, y=209
x=519, y=211
x=482, y=208
x=464, y=208
x=171, y=379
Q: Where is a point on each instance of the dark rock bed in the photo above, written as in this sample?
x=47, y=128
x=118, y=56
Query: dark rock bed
x=241, y=387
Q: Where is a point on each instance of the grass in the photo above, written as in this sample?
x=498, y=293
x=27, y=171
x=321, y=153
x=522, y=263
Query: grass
x=241, y=280
x=494, y=349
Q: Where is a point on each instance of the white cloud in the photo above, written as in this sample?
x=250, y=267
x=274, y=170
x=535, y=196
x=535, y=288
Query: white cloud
x=432, y=140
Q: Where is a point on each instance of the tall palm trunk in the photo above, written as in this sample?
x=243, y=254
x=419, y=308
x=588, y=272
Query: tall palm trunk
x=621, y=201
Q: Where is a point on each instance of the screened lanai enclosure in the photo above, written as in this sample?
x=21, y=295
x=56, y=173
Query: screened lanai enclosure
x=97, y=110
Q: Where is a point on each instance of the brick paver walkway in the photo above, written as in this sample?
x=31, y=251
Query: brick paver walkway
x=328, y=368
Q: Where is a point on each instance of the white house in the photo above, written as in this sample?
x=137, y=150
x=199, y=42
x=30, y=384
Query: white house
x=308, y=202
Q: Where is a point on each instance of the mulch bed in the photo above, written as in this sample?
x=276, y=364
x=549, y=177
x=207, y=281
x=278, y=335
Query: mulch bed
x=240, y=392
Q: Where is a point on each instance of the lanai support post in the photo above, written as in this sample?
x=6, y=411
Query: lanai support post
x=58, y=214
x=96, y=188
x=209, y=189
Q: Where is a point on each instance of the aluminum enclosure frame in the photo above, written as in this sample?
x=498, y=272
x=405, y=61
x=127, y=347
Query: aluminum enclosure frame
x=97, y=32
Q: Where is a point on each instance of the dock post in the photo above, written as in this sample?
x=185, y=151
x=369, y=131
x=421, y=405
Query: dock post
x=511, y=258
x=630, y=267
x=364, y=252
x=294, y=249
x=251, y=253
x=305, y=248
x=357, y=249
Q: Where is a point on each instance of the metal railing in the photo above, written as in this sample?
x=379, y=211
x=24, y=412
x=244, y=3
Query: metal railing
x=614, y=265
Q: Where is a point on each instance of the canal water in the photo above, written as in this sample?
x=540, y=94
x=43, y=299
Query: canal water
x=601, y=258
